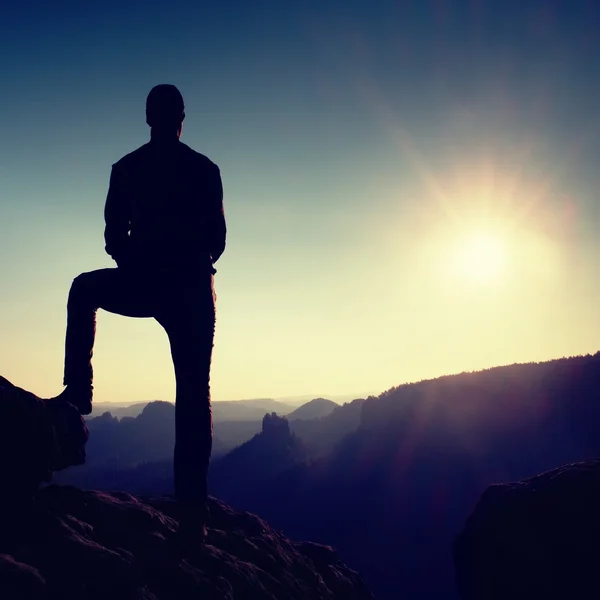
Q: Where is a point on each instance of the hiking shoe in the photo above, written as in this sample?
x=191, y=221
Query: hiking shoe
x=192, y=530
x=80, y=396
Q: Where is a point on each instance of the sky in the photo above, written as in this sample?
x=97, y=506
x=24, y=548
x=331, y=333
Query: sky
x=410, y=187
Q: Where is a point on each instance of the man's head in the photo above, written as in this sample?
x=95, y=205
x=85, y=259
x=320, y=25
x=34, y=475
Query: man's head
x=165, y=108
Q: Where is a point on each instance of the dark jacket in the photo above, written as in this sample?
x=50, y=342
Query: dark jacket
x=165, y=209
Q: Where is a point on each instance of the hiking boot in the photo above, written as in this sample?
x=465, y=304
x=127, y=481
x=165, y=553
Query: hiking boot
x=192, y=530
x=79, y=395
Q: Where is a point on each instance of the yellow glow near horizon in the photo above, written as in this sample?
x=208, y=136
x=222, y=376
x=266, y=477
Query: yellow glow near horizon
x=462, y=264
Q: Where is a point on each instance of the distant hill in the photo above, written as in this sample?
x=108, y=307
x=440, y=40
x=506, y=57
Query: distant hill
x=117, y=409
x=296, y=401
x=132, y=440
x=315, y=409
x=248, y=410
x=234, y=410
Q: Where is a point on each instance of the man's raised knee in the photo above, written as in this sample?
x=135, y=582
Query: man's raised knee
x=81, y=286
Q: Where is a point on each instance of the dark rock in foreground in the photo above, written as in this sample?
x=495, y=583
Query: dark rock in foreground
x=539, y=538
x=93, y=545
x=36, y=439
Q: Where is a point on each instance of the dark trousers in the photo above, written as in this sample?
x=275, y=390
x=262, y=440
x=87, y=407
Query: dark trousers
x=184, y=304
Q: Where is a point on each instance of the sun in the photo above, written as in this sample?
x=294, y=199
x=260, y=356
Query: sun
x=481, y=256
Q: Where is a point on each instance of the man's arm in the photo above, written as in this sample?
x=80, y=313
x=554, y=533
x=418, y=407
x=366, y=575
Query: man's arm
x=217, y=229
x=116, y=231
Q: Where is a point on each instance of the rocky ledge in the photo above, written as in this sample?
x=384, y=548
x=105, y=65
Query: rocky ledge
x=92, y=545
x=535, y=539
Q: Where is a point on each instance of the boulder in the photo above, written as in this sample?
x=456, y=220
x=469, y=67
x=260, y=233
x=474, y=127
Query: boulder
x=36, y=438
x=538, y=538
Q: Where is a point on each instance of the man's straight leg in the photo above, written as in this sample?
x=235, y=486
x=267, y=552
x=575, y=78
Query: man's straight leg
x=190, y=327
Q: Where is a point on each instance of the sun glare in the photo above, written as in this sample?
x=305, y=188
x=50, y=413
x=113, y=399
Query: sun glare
x=481, y=256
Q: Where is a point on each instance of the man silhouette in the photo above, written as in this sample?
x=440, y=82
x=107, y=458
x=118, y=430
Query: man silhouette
x=165, y=229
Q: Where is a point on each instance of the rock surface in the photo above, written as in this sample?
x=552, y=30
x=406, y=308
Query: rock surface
x=538, y=538
x=36, y=438
x=93, y=545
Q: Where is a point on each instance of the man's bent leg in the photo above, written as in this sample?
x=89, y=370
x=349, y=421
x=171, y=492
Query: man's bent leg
x=113, y=290
x=191, y=335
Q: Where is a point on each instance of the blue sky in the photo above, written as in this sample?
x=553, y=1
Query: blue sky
x=361, y=144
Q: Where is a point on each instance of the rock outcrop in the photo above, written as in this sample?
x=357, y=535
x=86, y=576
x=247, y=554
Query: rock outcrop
x=94, y=545
x=273, y=451
x=36, y=439
x=536, y=539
